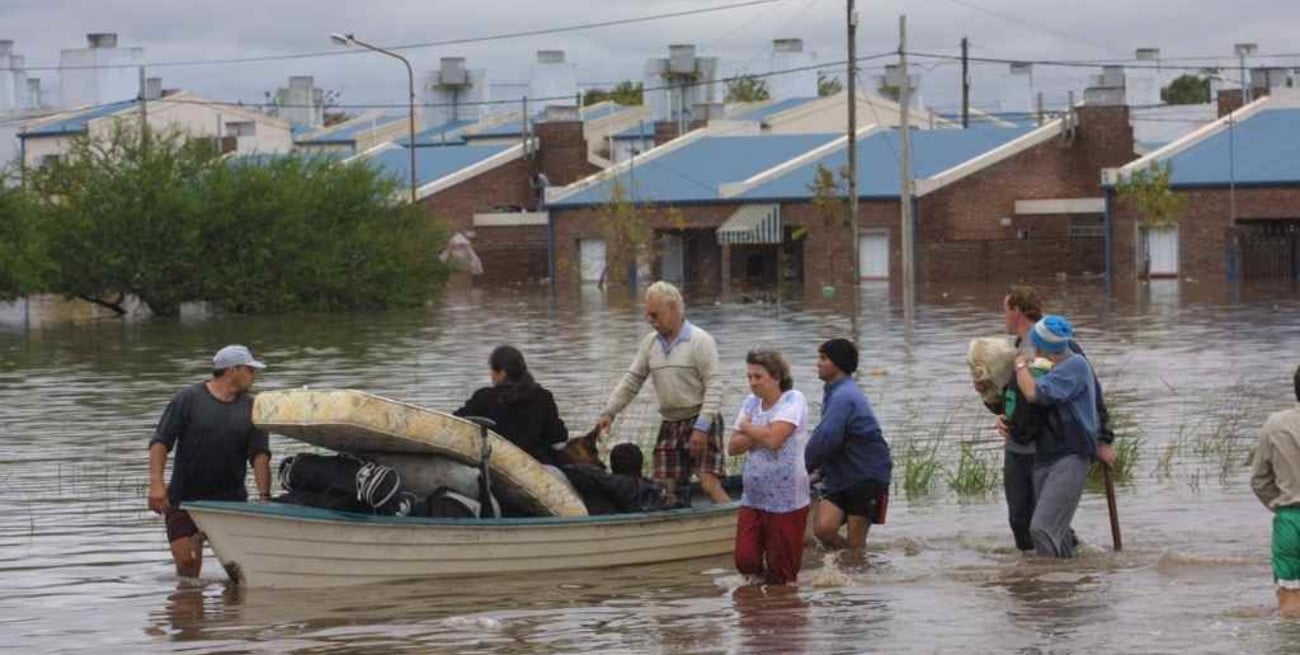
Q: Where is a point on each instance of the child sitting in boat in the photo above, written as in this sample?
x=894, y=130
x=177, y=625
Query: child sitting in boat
x=619, y=490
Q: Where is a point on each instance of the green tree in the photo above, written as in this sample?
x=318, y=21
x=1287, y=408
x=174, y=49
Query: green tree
x=168, y=221
x=627, y=234
x=747, y=88
x=1149, y=190
x=313, y=233
x=1187, y=89
x=120, y=216
x=831, y=202
x=625, y=93
x=24, y=259
x=828, y=85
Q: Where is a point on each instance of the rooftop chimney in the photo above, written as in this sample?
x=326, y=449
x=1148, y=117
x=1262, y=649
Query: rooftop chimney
x=153, y=88
x=102, y=39
x=788, y=54
x=681, y=58
x=552, y=80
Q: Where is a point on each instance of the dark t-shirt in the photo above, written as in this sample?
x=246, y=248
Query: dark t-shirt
x=213, y=442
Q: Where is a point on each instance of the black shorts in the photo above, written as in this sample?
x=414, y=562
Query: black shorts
x=179, y=524
x=869, y=500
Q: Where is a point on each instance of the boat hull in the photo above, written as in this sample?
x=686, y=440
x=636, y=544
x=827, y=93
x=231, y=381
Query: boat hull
x=287, y=546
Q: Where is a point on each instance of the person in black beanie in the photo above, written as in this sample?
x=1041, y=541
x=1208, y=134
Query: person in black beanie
x=849, y=451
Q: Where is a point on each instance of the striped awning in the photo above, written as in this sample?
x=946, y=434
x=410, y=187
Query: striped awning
x=752, y=224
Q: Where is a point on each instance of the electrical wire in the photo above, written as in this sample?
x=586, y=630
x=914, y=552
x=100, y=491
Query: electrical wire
x=429, y=44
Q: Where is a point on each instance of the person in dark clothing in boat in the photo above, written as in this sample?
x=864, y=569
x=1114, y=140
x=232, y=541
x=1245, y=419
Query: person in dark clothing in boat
x=621, y=489
x=210, y=425
x=524, y=412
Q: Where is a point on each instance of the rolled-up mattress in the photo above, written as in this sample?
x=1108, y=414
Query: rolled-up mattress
x=356, y=422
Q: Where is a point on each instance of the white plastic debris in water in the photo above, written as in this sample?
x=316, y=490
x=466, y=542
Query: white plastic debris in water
x=481, y=622
x=460, y=253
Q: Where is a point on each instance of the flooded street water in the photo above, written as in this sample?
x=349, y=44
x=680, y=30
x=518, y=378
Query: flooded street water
x=1190, y=373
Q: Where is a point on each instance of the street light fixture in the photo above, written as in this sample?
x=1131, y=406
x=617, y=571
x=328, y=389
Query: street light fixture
x=347, y=40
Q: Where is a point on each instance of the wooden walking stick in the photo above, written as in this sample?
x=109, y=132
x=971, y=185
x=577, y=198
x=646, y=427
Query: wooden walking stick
x=1116, y=540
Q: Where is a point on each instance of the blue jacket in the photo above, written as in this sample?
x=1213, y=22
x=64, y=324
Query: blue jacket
x=1069, y=391
x=847, y=445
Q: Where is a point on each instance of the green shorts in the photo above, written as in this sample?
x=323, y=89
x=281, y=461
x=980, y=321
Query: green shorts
x=1286, y=547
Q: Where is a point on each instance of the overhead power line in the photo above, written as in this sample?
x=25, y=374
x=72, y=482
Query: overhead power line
x=429, y=44
x=403, y=105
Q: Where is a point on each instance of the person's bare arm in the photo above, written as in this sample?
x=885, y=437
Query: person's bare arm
x=771, y=436
x=262, y=475
x=157, y=466
x=739, y=444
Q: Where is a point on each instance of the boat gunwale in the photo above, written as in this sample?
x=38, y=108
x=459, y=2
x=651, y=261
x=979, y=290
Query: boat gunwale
x=319, y=515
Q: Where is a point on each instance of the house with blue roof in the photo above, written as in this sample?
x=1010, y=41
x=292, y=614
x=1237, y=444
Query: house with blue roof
x=1240, y=179
x=489, y=191
x=357, y=134
x=793, y=115
x=235, y=129
x=742, y=210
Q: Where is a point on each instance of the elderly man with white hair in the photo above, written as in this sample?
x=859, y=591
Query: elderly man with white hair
x=682, y=359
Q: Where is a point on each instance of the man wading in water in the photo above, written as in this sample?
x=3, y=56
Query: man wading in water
x=211, y=426
x=1066, y=446
x=682, y=359
x=1020, y=422
x=1276, y=481
x=850, y=452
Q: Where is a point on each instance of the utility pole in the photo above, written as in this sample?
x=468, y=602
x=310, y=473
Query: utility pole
x=905, y=177
x=852, y=93
x=144, y=111
x=965, y=82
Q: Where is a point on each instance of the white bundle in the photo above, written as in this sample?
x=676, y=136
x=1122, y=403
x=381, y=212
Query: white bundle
x=991, y=359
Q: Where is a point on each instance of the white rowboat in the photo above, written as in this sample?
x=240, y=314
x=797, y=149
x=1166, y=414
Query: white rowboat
x=290, y=546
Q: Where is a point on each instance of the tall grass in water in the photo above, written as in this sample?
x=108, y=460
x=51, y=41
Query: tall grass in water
x=977, y=473
x=919, y=464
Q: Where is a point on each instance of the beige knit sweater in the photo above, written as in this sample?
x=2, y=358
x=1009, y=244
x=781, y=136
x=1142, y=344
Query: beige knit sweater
x=686, y=378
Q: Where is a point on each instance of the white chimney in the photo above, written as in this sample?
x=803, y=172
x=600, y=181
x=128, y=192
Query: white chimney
x=674, y=86
x=453, y=92
x=11, y=77
x=788, y=54
x=553, y=81
x=99, y=73
x=301, y=103
x=1142, y=81
x=34, y=100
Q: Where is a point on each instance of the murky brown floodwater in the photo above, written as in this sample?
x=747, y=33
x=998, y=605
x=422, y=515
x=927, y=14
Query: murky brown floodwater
x=84, y=566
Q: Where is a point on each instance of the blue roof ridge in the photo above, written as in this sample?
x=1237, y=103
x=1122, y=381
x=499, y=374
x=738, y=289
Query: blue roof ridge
x=1111, y=176
x=1038, y=135
x=554, y=194
x=733, y=189
x=491, y=162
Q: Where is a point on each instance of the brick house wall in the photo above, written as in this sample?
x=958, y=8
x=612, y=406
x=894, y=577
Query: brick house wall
x=960, y=232
x=514, y=253
x=1205, y=230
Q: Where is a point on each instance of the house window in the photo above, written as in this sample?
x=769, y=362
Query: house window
x=48, y=160
x=1087, y=227
x=241, y=128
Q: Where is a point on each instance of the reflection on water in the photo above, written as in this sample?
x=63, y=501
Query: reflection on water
x=1193, y=370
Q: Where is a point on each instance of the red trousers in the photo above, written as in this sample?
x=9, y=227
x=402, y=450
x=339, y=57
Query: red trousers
x=770, y=544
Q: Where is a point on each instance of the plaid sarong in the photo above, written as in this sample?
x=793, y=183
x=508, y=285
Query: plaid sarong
x=672, y=456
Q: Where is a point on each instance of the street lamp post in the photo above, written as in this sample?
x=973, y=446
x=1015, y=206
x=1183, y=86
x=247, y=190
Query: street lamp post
x=347, y=40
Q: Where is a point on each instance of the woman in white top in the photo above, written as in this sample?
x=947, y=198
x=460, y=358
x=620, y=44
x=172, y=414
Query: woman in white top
x=773, y=429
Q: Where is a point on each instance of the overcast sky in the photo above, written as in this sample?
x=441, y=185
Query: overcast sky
x=1025, y=29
